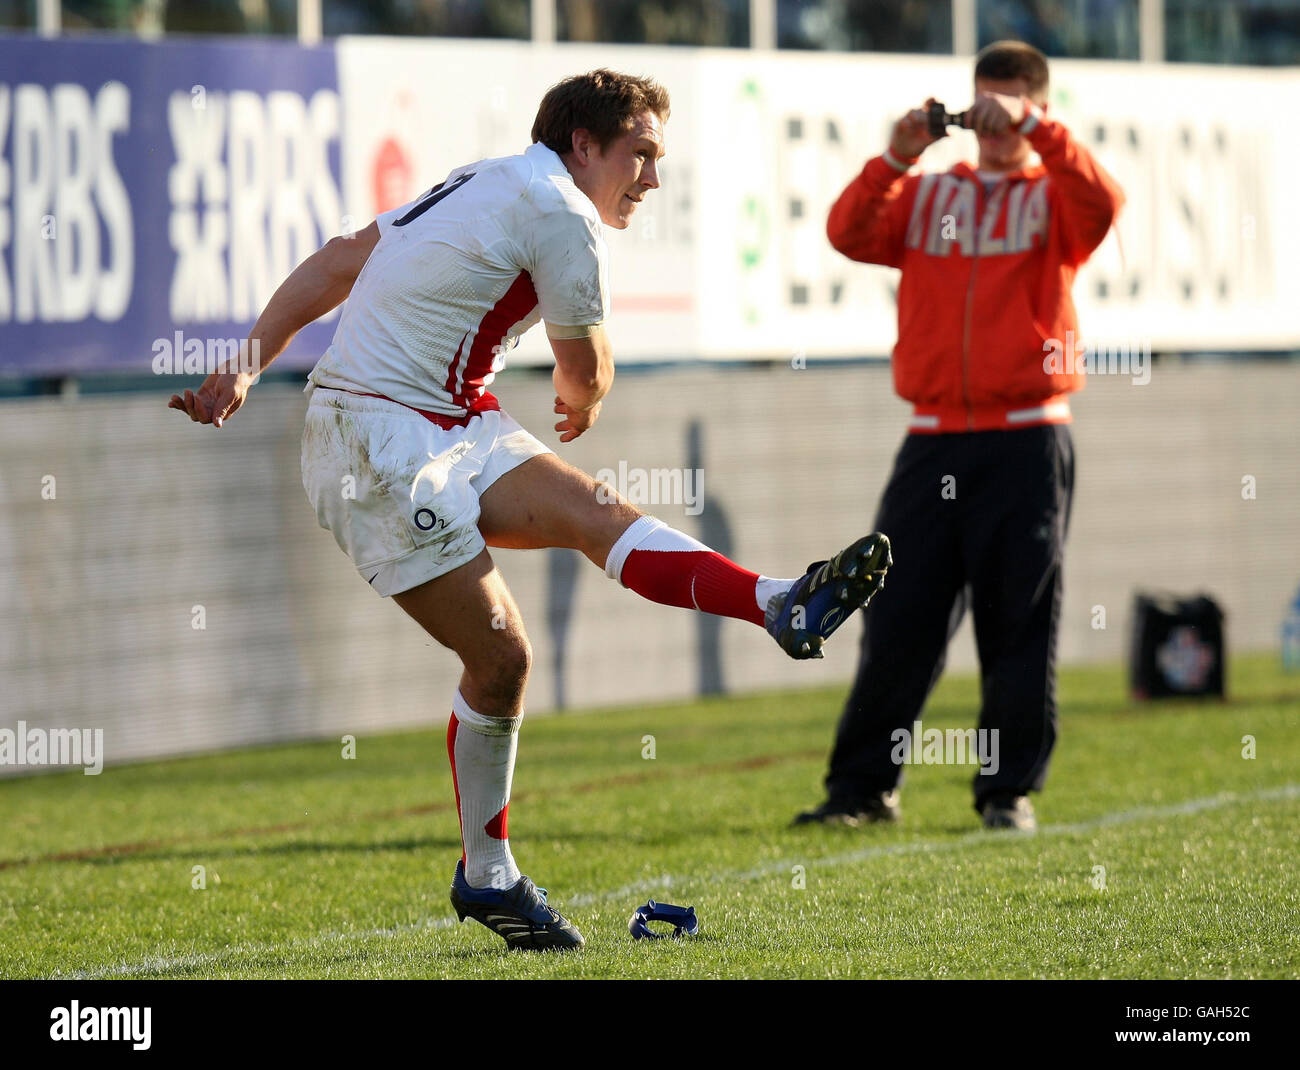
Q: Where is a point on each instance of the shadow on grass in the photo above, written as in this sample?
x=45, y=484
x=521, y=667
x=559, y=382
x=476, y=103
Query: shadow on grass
x=204, y=853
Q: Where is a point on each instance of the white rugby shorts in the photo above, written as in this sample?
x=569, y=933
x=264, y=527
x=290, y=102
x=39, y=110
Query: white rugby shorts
x=398, y=492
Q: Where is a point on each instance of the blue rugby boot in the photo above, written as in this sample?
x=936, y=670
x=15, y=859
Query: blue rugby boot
x=803, y=618
x=519, y=914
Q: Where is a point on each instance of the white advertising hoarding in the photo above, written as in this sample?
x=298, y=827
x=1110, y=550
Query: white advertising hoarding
x=729, y=258
x=414, y=110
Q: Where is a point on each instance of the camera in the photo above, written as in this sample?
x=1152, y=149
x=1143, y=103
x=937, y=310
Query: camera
x=941, y=118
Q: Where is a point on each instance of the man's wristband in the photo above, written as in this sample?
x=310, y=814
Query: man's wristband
x=903, y=165
x=554, y=330
x=1033, y=113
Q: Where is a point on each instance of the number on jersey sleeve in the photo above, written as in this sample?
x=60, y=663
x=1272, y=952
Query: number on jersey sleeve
x=438, y=193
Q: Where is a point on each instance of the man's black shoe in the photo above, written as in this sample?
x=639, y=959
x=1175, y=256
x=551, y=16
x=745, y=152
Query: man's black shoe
x=1006, y=810
x=880, y=807
x=518, y=914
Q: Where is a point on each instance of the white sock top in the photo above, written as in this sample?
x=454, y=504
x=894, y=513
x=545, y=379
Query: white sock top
x=637, y=532
x=484, y=726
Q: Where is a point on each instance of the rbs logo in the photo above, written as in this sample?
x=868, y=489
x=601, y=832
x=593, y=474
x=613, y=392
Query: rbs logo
x=252, y=195
x=58, y=186
x=250, y=192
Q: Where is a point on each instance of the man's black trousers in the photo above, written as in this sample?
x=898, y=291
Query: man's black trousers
x=976, y=520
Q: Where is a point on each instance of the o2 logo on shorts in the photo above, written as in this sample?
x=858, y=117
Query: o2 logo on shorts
x=426, y=521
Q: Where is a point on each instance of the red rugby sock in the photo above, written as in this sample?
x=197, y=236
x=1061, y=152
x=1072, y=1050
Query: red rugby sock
x=669, y=567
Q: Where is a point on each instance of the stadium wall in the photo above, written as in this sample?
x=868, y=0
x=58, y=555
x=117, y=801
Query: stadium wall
x=170, y=585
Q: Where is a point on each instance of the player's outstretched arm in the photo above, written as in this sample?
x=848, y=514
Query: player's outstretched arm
x=584, y=372
x=317, y=285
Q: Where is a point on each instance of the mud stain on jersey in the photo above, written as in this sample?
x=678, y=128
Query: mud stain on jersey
x=586, y=294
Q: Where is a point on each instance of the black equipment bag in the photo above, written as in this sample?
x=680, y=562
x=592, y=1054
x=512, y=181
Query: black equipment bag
x=1177, y=646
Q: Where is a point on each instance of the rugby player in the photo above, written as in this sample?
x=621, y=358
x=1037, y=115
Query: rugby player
x=437, y=292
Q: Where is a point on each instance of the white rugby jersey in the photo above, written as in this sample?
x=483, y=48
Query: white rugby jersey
x=459, y=274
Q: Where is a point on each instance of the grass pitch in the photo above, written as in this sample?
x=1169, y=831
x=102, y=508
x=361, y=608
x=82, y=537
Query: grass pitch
x=322, y=867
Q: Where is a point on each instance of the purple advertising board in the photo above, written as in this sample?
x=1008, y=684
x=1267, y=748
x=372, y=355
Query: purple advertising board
x=153, y=195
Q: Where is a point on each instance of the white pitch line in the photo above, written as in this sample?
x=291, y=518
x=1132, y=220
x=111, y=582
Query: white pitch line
x=160, y=964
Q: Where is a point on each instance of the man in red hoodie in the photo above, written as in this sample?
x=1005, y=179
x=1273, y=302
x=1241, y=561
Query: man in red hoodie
x=979, y=498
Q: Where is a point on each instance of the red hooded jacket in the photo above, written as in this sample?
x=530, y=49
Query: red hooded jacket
x=986, y=278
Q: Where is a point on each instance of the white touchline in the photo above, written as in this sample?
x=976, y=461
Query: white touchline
x=160, y=964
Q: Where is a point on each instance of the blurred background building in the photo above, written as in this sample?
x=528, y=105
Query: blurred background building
x=1262, y=32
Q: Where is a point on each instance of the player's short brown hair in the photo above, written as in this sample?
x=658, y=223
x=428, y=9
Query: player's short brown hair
x=1004, y=61
x=603, y=102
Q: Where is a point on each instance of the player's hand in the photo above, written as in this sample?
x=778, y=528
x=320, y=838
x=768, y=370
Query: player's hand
x=575, y=421
x=993, y=113
x=217, y=400
x=911, y=134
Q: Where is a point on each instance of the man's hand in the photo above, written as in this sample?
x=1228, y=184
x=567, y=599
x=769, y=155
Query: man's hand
x=911, y=134
x=320, y=283
x=217, y=400
x=993, y=113
x=583, y=372
x=575, y=421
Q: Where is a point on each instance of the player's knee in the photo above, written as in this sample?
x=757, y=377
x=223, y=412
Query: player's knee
x=517, y=659
x=498, y=673
x=503, y=665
